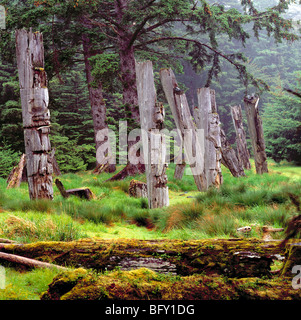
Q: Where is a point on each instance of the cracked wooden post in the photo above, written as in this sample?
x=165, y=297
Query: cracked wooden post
x=154, y=147
x=241, y=141
x=207, y=118
x=35, y=113
x=192, y=138
x=256, y=133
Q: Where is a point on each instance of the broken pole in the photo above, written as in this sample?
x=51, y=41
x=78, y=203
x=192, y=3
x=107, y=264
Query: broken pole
x=154, y=146
x=35, y=113
x=256, y=133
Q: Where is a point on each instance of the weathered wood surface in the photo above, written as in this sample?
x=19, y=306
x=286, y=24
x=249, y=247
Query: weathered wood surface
x=256, y=133
x=207, y=119
x=84, y=193
x=241, y=141
x=35, y=113
x=192, y=139
x=229, y=157
x=138, y=189
x=154, y=146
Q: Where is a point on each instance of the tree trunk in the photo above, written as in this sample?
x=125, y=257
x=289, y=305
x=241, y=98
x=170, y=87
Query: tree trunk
x=241, y=142
x=256, y=133
x=229, y=158
x=35, y=113
x=207, y=119
x=98, y=108
x=154, y=147
x=127, y=62
x=128, y=78
x=180, y=110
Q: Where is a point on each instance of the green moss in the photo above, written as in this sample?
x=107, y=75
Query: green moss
x=145, y=284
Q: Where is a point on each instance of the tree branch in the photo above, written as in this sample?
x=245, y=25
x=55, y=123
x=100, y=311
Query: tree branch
x=199, y=44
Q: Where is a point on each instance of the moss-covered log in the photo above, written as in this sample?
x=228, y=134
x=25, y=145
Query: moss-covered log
x=144, y=284
x=236, y=257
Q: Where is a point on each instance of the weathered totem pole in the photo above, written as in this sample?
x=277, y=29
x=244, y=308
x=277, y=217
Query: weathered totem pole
x=35, y=113
x=256, y=133
x=207, y=118
x=154, y=146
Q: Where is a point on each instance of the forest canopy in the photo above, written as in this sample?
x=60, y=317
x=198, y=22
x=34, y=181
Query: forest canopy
x=235, y=47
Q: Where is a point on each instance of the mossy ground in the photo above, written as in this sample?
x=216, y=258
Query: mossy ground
x=144, y=284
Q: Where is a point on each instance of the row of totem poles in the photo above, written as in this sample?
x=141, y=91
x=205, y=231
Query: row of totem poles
x=205, y=168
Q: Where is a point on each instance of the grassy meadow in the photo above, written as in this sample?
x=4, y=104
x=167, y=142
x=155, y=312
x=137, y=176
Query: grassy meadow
x=254, y=200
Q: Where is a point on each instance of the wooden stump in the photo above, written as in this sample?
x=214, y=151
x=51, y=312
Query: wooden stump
x=35, y=113
x=138, y=189
x=154, y=146
x=256, y=133
x=241, y=141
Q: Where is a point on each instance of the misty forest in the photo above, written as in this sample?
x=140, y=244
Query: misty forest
x=150, y=150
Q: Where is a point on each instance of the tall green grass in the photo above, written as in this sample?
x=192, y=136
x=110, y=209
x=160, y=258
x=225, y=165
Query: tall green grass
x=254, y=199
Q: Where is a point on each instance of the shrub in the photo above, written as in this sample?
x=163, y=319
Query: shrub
x=8, y=159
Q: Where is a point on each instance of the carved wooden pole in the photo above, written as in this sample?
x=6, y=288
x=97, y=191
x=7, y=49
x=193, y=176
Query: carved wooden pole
x=256, y=133
x=207, y=118
x=35, y=113
x=154, y=147
x=192, y=140
x=241, y=141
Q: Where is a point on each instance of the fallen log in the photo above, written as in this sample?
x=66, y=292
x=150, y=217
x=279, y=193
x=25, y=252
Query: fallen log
x=28, y=262
x=166, y=256
x=2, y=240
x=84, y=193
